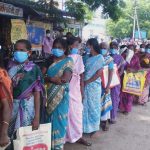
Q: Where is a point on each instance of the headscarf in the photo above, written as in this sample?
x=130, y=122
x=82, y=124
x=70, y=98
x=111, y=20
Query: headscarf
x=129, y=56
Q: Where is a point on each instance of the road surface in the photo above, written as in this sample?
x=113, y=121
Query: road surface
x=132, y=132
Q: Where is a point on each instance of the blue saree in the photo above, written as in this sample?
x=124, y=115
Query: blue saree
x=92, y=95
x=58, y=103
x=106, y=102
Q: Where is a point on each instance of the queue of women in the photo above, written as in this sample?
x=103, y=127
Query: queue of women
x=69, y=93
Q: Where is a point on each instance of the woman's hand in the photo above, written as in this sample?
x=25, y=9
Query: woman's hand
x=86, y=82
x=107, y=90
x=19, y=76
x=55, y=80
x=35, y=124
x=4, y=140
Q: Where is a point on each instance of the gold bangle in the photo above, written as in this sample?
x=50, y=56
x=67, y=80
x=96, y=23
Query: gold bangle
x=5, y=122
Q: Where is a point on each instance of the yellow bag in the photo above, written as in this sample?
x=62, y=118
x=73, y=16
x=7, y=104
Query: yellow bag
x=133, y=83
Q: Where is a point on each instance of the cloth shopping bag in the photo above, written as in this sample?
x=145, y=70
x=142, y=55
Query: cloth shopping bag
x=33, y=140
x=115, y=78
x=133, y=83
x=3, y=148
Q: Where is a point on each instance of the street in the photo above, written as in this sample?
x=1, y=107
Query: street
x=132, y=132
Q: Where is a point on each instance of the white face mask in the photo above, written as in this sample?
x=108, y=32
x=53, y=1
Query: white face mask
x=142, y=49
x=48, y=35
x=130, y=54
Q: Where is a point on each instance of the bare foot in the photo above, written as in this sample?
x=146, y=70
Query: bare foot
x=84, y=142
x=104, y=125
x=95, y=135
x=125, y=113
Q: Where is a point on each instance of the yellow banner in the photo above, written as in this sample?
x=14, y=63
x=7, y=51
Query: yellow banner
x=133, y=83
x=18, y=30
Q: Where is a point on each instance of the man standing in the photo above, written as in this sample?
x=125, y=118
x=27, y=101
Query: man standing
x=47, y=44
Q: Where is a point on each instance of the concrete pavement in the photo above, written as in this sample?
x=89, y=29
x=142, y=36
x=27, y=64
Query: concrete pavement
x=132, y=132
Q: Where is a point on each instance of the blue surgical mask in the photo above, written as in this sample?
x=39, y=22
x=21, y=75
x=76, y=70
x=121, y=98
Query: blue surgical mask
x=113, y=51
x=57, y=52
x=103, y=52
x=148, y=51
x=74, y=51
x=20, y=56
x=88, y=50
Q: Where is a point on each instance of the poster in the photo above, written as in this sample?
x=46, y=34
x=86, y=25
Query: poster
x=18, y=30
x=35, y=36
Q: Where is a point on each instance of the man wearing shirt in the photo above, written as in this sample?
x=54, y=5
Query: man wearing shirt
x=47, y=44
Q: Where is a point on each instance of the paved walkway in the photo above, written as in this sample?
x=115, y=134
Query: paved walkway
x=132, y=132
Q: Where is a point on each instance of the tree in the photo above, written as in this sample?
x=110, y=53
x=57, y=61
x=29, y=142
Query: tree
x=79, y=10
x=82, y=9
x=110, y=7
x=123, y=27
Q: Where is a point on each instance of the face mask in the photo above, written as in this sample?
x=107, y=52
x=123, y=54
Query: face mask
x=21, y=56
x=88, y=50
x=103, y=52
x=113, y=51
x=74, y=51
x=48, y=35
x=148, y=51
x=57, y=52
x=143, y=50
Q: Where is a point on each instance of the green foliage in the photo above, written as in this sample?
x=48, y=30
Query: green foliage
x=124, y=26
x=110, y=7
x=79, y=9
x=82, y=9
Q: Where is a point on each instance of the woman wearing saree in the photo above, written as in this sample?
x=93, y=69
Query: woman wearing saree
x=75, y=127
x=92, y=90
x=5, y=105
x=27, y=86
x=58, y=78
x=132, y=65
x=106, y=102
x=115, y=91
x=145, y=64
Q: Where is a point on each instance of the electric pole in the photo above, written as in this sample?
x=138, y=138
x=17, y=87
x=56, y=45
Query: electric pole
x=136, y=21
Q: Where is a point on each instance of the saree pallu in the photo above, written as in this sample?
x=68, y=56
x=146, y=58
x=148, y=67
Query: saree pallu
x=106, y=102
x=5, y=89
x=115, y=91
x=23, y=104
x=92, y=95
x=58, y=103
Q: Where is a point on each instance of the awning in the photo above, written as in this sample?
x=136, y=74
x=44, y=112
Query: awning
x=10, y=10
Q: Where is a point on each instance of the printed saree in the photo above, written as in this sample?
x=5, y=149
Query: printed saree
x=58, y=103
x=23, y=87
x=106, y=102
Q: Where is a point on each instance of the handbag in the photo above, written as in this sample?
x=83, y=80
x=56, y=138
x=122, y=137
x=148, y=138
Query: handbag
x=115, y=78
x=33, y=140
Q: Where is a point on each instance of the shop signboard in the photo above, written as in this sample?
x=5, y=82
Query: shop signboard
x=143, y=34
x=8, y=9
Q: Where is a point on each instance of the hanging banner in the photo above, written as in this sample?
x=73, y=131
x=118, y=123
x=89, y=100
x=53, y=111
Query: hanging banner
x=18, y=30
x=35, y=36
x=8, y=9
